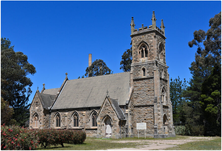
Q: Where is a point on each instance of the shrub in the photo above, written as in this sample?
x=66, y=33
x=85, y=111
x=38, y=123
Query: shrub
x=18, y=138
x=78, y=137
x=180, y=130
x=54, y=137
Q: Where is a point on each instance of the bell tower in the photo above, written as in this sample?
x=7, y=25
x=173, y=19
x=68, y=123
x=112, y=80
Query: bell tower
x=150, y=81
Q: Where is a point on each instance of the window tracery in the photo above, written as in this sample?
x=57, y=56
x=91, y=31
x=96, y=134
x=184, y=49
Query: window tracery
x=75, y=120
x=163, y=95
x=143, y=51
x=58, y=120
x=94, y=117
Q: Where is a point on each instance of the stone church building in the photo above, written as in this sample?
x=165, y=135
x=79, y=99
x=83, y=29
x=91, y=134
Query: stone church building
x=112, y=105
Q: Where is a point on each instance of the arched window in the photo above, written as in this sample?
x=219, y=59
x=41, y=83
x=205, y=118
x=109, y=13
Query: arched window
x=94, y=117
x=75, y=120
x=58, y=120
x=163, y=95
x=146, y=53
x=161, y=55
x=162, y=74
x=36, y=120
x=165, y=119
x=144, y=71
x=143, y=51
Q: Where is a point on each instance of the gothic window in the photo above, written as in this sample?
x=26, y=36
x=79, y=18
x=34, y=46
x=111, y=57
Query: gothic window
x=164, y=119
x=146, y=53
x=94, y=117
x=36, y=120
x=75, y=120
x=161, y=55
x=162, y=74
x=163, y=96
x=143, y=51
x=58, y=120
x=143, y=71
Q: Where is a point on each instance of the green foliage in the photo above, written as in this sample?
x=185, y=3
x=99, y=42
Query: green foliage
x=203, y=109
x=177, y=88
x=180, y=130
x=211, y=102
x=97, y=68
x=17, y=138
x=6, y=113
x=15, y=85
x=126, y=61
x=48, y=137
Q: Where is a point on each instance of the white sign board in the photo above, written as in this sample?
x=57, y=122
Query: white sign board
x=141, y=126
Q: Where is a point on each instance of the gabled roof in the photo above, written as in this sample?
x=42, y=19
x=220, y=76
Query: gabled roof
x=51, y=91
x=114, y=105
x=47, y=100
x=90, y=92
x=117, y=109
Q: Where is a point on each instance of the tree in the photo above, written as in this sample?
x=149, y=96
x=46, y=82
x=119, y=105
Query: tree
x=206, y=58
x=15, y=85
x=211, y=102
x=6, y=112
x=126, y=61
x=177, y=88
x=97, y=68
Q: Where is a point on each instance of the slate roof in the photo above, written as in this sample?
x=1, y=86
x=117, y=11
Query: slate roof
x=51, y=91
x=47, y=100
x=118, y=110
x=90, y=92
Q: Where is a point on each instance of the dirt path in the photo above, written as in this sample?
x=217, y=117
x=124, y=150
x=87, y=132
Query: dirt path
x=160, y=144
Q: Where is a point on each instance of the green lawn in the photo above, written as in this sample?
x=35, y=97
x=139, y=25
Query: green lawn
x=214, y=144
x=92, y=144
x=103, y=144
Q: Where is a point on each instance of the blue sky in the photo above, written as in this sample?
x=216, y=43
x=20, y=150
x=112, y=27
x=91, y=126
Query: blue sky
x=58, y=36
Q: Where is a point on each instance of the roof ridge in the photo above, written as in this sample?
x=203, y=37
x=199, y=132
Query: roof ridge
x=100, y=76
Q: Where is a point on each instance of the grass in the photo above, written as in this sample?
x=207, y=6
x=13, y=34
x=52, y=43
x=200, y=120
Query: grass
x=104, y=143
x=214, y=144
x=92, y=144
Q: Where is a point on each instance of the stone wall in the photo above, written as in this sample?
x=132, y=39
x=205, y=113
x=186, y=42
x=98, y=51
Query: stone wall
x=143, y=91
x=108, y=112
x=84, y=116
x=144, y=115
x=36, y=108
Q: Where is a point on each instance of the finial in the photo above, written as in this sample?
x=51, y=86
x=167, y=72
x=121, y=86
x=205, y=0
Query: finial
x=132, y=25
x=153, y=21
x=37, y=88
x=162, y=27
x=107, y=93
x=43, y=88
x=66, y=74
x=142, y=26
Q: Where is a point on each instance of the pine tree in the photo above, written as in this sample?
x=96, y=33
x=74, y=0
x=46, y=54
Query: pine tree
x=15, y=85
x=206, y=58
x=97, y=68
x=126, y=60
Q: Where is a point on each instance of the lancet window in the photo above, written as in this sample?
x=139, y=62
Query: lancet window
x=75, y=120
x=58, y=120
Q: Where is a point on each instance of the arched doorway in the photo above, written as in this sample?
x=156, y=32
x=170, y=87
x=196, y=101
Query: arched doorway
x=108, y=128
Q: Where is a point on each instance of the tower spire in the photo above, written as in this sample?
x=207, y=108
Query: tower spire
x=132, y=25
x=153, y=21
x=162, y=27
